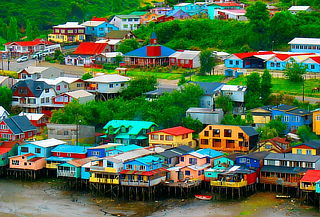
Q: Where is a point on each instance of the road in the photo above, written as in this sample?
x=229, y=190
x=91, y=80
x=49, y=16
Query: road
x=14, y=66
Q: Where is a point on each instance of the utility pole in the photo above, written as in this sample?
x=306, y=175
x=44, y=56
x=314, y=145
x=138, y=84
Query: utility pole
x=303, y=89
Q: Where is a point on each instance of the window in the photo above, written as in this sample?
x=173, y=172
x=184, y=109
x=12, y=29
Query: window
x=187, y=173
x=25, y=163
x=161, y=137
x=38, y=150
x=47, y=99
x=111, y=85
x=278, y=64
x=24, y=149
x=129, y=167
x=46, y=90
x=216, y=133
x=206, y=133
x=58, y=154
x=240, y=135
x=142, y=167
x=271, y=162
x=65, y=133
x=272, y=64
x=227, y=133
x=42, y=100
x=169, y=138
x=312, y=66
x=154, y=137
x=79, y=85
x=286, y=118
x=309, y=152
x=15, y=162
x=204, y=141
x=318, y=117
x=182, y=159
x=192, y=161
x=110, y=164
x=237, y=62
x=68, y=154
x=230, y=61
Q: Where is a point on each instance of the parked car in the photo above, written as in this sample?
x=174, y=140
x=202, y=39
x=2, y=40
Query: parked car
x=37, y=55
x=22, y=59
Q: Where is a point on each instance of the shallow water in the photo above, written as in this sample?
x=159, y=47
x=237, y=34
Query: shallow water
x=41, y=199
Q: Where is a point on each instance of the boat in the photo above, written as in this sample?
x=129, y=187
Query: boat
x=283, y=196
x=203, y=197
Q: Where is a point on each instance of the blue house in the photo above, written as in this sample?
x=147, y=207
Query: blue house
x=40, y=148
x=221, y=5
x=292, y=116
x=145, y=163
x=253, y=160
x=191, y=9
x=100, y=150
x=121, y=149
x=305, y=45
x=97, y=29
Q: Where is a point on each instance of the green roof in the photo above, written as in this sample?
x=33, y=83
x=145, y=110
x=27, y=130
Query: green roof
x=139, y=13
x=128, y=16
x=134, y=127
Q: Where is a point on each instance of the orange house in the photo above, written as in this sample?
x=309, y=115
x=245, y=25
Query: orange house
x=174, y=137
x=228, y=138
x=148, y=17
x=27, y=162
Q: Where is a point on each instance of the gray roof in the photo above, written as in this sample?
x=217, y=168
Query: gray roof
x=283, y=107
x=256, y=155
x=277, y=169
x=170, y=154
x=314, y=144
x=184, y=148
x=292, y=157
x=298, y=111
x=159, y=91
x=19, y=124
x=250, y=131
x=36, y=87
x=209, y=88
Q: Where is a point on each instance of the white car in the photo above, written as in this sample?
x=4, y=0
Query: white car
x=22, y=59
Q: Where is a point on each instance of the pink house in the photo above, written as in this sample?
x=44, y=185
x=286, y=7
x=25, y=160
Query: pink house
x=192, y=165
x=27, y=162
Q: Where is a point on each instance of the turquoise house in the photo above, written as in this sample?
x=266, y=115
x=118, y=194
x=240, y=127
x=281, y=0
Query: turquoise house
x=128, y=132
x=122, y=149
x=191, y=9
x=7, y=149
x=40, y=148
x=212, y=8
x=75, y=169
x=318, y=187
x=145, y=163
x=220, y=165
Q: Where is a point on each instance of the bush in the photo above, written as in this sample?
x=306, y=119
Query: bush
x=109, y=66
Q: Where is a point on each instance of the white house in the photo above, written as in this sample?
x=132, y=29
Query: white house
x=234, y=14
x=32, y=95
x=297, y=9
x=185, y=59
x=109, y=58
x=35, y=72
x=126, y=22
x=236, y=93
x=3, y=113
x=110, y=84
x=81, y=96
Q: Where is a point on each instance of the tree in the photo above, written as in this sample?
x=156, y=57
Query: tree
x=305, y=134
x=5, y=97
x=266, y=132
x=86, y=76
x=32, y=30
x=265, y=86
x=182, y=81
x=207, y=62
x=193, y=124
x=128, y=45
x=259, y=22
x=295, y=71
x=252, y=97
x=225, y=103
x=118, y=59
x=283, y=27
x=230, y=119
x=138, y=86
x=277, y=124
x=13, y=34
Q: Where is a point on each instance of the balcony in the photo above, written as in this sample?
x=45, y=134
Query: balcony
x=65, y=173
x=307, y=187
x=52, y=165
x=103, y=169
x=104, y=180
x=142, y=182
x=229, y=184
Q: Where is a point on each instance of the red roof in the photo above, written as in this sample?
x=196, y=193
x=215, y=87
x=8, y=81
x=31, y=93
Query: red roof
x=227, y=4
x=303, y=146
x=250, y=54
x=6, y=146
x=99, y=19
x=35, y=159
x=280, y=140
x=30, y=43
x=316, y=59
x=143, y=173
x=286, y=56
x=90, y=48
x=311, y=176
x=175, y=131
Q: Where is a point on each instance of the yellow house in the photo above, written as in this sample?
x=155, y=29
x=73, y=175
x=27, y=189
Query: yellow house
x=68, y=33
x=261, y=115
x=307, y=148
x=316, y=121
x=274, y=145
x=175, y=136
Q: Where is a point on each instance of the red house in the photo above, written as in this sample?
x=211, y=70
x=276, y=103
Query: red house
x=26, y=47
x=69, y=151
x=16, y=128
x=37, y=119
x=163, y=19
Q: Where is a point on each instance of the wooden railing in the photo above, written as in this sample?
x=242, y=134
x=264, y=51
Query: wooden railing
x=242, y=183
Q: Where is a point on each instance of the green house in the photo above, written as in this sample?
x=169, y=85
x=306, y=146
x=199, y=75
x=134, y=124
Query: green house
x=73, y=168
x=220, y=165
x=128, y=132
x=7, y=149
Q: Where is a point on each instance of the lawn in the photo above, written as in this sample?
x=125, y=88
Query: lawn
x=207, y=78
x=280, y=85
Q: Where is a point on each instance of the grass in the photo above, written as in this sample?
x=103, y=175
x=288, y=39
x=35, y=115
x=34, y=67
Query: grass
x=12, y=74
x=281, y=85
x=208, y=78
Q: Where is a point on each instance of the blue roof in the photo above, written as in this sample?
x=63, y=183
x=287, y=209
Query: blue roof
x=142, y=52
x=209, y=88
x=148, y=159
x=19, y=124
x=36, y=87
x=70, y=149
x=210, y=152
x=60, y=159
x=126, y=148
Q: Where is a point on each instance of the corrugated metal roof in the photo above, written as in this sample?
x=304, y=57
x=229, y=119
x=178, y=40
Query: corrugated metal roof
x=311, y=41
x=292, y=157
x=19, y=124
x=277, y=169
x=70, y=149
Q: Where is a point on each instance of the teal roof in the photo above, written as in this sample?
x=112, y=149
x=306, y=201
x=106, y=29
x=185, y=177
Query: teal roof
x=148, y=159
x=122, y=136
x=139, y=13
x=125, y=148
x=70, y=149
x=134, y=126
x=59, y=159
x=210, y=152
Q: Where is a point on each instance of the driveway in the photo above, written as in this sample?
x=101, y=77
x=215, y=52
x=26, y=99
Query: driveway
x=14, y=66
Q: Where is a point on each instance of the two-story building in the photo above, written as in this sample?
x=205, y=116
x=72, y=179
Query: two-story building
x=126, y=22
x=32, y=95
x=274, y=145
x=309, y=181
x=305, y=45
x=286, y=168
x=228, y=138
x=171, y=156
x=37, y=119
x=27, y=162
x=174, y=137
x=19, y=48
x=129, y=132
x=68, y=33
x=292, y=116
x=97, y=29
x=41, y=148
x=236, y=94
x=253, y=160
x=75, y=168
x=316, y=121
x=16, y=128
